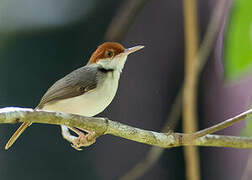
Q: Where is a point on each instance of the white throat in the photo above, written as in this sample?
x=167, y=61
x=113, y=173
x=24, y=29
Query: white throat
x=117, y=63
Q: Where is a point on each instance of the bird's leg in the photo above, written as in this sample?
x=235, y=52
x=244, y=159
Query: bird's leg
x=82, y=139
x=66, y=134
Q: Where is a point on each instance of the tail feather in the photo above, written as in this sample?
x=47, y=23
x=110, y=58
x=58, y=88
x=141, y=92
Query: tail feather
x=18, y=132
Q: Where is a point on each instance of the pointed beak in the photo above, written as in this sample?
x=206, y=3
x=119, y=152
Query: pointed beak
x=133, y=49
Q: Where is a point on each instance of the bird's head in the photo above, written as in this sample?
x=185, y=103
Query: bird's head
x=112, y=55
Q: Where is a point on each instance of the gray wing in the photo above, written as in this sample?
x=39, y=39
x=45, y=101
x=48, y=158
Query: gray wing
x=74, y=84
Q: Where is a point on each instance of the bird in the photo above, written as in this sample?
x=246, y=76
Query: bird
x=86, y=91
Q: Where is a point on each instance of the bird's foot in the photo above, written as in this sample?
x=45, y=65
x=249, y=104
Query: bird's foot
x=83, y=140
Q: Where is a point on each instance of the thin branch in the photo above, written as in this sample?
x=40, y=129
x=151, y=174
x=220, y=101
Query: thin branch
x=224, y=141
x=222, y=125
x=124, y=18
x=144, y=165
x=104, y=126
x=205, y=48
x=155, y=152
x=190, y=120
x=172, y=119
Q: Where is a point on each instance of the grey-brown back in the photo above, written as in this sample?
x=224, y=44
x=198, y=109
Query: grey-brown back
x=74, y=84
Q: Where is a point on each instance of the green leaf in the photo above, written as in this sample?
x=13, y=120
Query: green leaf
x=238, y=42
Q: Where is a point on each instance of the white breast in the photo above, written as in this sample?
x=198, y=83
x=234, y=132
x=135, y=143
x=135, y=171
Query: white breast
x=90, y=103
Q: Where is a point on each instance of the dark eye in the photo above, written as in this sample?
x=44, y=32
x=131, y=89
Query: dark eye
x=109, y=54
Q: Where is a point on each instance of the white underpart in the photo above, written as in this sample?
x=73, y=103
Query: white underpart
x=95, y=101
x=90, y=103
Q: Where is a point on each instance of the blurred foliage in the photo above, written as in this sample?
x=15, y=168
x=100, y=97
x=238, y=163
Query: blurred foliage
x=238, y=47
x=238, y=43
x=247, y=131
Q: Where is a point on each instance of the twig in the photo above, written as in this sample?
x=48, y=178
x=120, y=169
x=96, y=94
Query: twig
x=124, y=18
x=202, y=56
x=224, y=141
x=190, y=120
x=155, y=152
x=144, y=165
x=222, y=125
x=104, y=126
x=172, y=119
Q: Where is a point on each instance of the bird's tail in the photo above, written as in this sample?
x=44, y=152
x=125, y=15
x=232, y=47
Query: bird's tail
x=18, y=132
